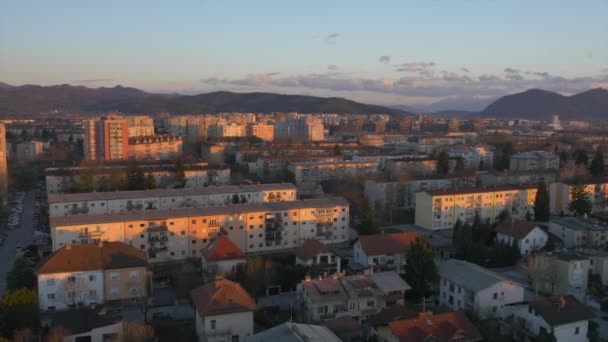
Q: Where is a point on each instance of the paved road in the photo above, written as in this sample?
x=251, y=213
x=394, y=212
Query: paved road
x=20, y=236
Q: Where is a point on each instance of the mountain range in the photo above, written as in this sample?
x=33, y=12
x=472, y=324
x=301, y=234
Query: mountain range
x=33, y=99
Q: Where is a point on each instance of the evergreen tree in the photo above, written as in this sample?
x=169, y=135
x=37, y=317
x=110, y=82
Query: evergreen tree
x=541, y=203
x=443, y=163
x=580, y=204
x=136, y=180
x=581, y=157
x=180, y=173
x=507, y=152
x=20, y=276
x=420, y=268
x=597, y=164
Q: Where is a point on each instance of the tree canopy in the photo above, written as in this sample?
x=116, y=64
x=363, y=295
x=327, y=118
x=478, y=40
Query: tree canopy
x=420, y=268
x=580, y=203
x=541, y=203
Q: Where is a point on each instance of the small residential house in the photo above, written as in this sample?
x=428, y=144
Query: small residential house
x=346, y=328
x=295, y=332
x=87, y=324
x=561, y=273
x=465, y=286
x=383, y=252
x=82, y=275
x=221, y=257
x=446, y=327
x=379, y=322
x=564, y=317
x=314, y=253
x=528, y=236
x=223, y=311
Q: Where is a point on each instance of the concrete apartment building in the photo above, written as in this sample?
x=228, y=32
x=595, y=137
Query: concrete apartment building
x=162, y=199
x=192, y=129
x=561, y=273
x=464, y=286
x=177, y=234
x=262, y=131
x=62, y=179
x=27, y=150
x=155, y=147
x=440, y=209
x=560, y=198
x=356, y=296
x=106, y=138
x=534, y=160
x=140, y=126
x=480, y=157
x=82, y=275
x=223, y=312
x=307, y=175
x=3, y=167
x=564, y=317
x=517, y=177
x=579, y=232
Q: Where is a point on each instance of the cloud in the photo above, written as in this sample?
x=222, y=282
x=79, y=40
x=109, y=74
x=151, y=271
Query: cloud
x=95, y=80
x=384, y=59
x=421, y=68
x=463, y=69
x=332, y=67
x=332, y=38
x=513, y=74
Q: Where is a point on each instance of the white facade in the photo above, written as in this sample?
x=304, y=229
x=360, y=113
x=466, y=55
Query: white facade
x=234, y=327
x=535, y=325
x=535, y=160
x=221, y=267
x=380, y=262
x=534, y=241
x=58, y=291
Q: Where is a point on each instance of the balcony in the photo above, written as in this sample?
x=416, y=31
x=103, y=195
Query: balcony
x=157, y=249
x=76, y=211
x=325, y=224
x=157, y=238
x=325, y=234
x=86, y=234
x=155, y=228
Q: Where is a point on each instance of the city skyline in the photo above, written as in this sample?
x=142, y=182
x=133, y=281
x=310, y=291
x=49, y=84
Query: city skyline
x=460, y=55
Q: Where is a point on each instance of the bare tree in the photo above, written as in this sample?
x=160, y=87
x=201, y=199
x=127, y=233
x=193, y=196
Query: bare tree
x=541, y=271
x=137, y=332
x=141, y=295
x=75, y=291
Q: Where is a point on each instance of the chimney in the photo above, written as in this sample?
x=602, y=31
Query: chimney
x=68, y=247
x=100, y=244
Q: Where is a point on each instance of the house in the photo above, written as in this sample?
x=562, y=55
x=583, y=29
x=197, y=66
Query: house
x=357, y=296
x=87, y=324
x=561, y=272
x=579, y=232
x=446, y=327
x=533, y=160
x=77, y=275
x=528, y=236
x=314, y=253
x=224, y=311
x=379, y=322
x=221, y=257
x=295, y=332
x=383, y=252
x=564, y=317
x=465, y=286
x=346, y=328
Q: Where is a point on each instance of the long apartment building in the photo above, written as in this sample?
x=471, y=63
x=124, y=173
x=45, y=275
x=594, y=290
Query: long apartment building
x=560, y=198
x=175, y=234
x=160, y=199
x=308, y=174
x=441, y=209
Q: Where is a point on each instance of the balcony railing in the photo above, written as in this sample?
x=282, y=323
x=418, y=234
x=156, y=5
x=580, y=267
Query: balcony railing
x=91, y=233
x=162, y=238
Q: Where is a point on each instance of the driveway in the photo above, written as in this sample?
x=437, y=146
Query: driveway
x=23, y=236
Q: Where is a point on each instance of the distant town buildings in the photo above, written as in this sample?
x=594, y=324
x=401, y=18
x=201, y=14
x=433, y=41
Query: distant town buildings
x=534, y=160
x=155, y=147
x=106, y=138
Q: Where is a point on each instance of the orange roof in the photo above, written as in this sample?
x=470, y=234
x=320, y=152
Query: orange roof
x=516, y=228
x=89, y=257
x=387, y=243
x=451, y=326
x=222, y=248
x=309, y=249
x=221, y=297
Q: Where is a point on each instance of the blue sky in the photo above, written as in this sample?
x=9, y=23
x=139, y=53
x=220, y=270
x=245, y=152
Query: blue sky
x=427, y=53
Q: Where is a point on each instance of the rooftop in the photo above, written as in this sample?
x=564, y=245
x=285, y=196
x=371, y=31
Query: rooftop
x=535, y=155
x=71, y=220
x=470, y=276
x=518, y=229
x=88, y=257
x=561, y=310
x=578, y=223
x=84, y=319
x=221, y=297
x=475, y=190
x=210, y=190
x=222, y=248
x=378, y=244
x=294, y=332
x=310, y=249
x=451, y=326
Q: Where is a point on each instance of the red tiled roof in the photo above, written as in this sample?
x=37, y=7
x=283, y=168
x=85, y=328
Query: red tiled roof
x=387, y=243
x=309, y=249
x=88, y=257
x=451, y=326
x=518, y=229
x=222, y=248
x=221, y=297
x=392, y=313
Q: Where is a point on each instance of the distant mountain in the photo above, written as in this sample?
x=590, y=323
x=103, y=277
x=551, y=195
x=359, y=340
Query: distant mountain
x=409, y=109
x=33, y=99
x=541, y=104
x=4, y=85
x=461, y=114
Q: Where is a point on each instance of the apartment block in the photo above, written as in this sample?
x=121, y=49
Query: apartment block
x=140, y=126
x=106, y=138
x=474, y=157
x=534, y=160
x=163, y=199
x=560, y=198
x=579, y=232
x=262, y=131
x=155, y=147
x=308, y=174
x=441, y=209
x=177, y=234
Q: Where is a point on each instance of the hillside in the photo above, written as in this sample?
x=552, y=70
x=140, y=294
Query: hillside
x=33, y=99
x=540, y=105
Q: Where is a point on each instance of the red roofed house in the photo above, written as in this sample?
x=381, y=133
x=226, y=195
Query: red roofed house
x=451, y=326
x=315, y=253
x=224, y=311
x=528, y=236
x=384, y=252
x=221, y=257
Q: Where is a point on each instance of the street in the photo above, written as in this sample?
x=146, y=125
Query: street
x=22, y=236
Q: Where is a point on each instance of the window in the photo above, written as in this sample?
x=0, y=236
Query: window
x=92, y=293
x=50, y=296
x=133, y=274
x=114, y=291
x=92, y=277
x=495, y=296
x=576, y=330
x=114, y=276
x=50, y=282
x=193, y=221
x=212, y=324
x=71, y=279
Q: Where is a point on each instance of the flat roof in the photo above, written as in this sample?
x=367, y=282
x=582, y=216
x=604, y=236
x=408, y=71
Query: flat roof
x=577, y=223
x=71, y=220
x=337, y=162
x=210, y=190
x=468, y=190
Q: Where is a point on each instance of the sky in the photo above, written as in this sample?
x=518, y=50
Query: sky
x=425, y=54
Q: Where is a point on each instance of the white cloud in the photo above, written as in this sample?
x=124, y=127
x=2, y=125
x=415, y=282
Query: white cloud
x=384, y=59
